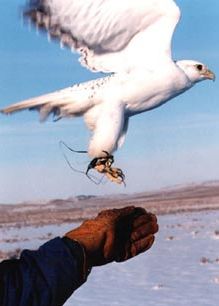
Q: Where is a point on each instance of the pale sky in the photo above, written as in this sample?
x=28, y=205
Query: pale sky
x=177, y=143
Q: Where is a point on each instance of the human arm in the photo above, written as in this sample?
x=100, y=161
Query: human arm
x=48, y=276
x=44, y=277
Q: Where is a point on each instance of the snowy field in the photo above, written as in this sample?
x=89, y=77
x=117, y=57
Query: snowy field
x=182, y=268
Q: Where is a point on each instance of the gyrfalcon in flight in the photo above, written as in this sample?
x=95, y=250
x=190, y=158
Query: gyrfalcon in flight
x=131, y=39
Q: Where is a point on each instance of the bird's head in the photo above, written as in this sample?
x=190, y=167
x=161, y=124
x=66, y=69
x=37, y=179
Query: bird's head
x=196, y=71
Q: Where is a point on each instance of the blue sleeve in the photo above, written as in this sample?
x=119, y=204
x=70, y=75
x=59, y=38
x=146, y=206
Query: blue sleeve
x=46, y=277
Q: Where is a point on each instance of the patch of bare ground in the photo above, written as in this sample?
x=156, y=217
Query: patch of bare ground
x=168, y=201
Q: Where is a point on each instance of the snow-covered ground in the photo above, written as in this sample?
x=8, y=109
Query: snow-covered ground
x=182, y=268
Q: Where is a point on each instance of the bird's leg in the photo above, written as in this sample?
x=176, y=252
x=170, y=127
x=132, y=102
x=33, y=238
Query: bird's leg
x=100, y=163
x=104, y=165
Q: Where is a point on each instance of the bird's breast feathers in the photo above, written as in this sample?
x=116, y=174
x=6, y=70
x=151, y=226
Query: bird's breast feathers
x=144, y=90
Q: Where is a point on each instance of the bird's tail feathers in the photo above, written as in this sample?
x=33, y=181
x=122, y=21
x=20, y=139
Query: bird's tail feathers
x=62, y=103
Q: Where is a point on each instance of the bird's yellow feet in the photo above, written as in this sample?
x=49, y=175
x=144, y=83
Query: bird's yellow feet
x=115, y=175
x=103, y=165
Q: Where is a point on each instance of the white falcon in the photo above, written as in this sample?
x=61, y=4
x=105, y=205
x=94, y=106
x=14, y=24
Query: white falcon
x=130, y=39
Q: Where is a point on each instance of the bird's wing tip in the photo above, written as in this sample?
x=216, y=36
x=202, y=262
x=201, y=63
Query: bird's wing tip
x=4, y=111
x=8, y=110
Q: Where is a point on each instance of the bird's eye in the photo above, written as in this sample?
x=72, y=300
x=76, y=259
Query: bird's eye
x=199, y=67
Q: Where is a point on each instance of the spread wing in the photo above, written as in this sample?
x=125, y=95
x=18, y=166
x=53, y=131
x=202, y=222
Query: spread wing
x=111, y=35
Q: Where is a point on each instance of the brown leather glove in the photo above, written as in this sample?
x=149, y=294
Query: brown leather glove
x=116, y=234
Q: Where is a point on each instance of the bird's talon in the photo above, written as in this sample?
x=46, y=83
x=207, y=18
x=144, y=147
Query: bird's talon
x=115, y=175
x=103, y=165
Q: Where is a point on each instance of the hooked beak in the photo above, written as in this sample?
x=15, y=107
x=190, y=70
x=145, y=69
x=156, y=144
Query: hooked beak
x=208, y=74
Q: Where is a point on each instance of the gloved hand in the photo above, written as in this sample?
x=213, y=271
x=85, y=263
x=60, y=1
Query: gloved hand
x=115, y=235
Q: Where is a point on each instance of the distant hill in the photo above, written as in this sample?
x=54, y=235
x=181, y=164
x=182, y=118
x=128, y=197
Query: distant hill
x=193, y=197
